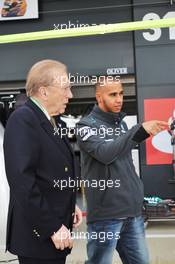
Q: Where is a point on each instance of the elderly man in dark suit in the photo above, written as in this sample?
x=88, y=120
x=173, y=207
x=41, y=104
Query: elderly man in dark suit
x=42, y=211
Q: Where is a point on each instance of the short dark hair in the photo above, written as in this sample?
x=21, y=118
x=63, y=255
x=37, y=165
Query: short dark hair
x=102, y=80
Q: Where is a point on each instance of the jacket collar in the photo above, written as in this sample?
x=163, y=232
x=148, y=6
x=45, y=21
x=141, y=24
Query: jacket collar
x=41, y=116
x=108, y=116
x=47, y=126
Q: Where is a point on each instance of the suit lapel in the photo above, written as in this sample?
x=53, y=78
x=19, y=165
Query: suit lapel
x=62, y=144
x=68, y=144
x=61, y=124
x=56, y=139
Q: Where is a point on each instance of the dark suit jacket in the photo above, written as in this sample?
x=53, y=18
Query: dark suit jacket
x=36, y=160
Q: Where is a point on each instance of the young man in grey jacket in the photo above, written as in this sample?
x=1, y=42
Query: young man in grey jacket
x=113, y=190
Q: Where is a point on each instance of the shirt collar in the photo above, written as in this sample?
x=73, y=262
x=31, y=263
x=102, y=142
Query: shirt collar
x=35, y=101
x=108, y=116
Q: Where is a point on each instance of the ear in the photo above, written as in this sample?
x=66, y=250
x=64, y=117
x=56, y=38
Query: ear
x=43, y=92
x=98, y=97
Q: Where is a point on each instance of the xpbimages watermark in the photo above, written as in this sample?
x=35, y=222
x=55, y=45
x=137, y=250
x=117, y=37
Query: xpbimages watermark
x=86, y=79
x=69, y=24
x=102, y=236
x=101, y=184
x=85, y=132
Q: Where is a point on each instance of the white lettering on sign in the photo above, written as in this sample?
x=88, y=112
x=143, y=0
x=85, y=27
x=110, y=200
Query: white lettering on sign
x=171, y=29
x=114, y=71
x=157, y=32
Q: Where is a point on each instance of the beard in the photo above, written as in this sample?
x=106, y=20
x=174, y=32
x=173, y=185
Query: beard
x=109, y=108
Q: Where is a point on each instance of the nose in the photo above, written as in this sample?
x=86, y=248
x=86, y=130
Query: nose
x=119, y=98
x=69, y=95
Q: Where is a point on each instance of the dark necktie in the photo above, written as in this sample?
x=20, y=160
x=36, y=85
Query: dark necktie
x=52, y=121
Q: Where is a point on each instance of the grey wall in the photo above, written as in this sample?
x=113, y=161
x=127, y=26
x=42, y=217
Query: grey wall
x=85, y=55
x=93, y=55
x=155, y=73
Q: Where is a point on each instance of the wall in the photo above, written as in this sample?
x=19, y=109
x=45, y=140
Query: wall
x=155, y=74
x=84, y=56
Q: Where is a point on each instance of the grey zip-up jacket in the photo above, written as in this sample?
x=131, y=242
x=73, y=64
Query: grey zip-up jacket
x=112, y=187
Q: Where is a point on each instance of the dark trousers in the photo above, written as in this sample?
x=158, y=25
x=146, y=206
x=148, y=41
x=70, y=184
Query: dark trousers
x=24, y=260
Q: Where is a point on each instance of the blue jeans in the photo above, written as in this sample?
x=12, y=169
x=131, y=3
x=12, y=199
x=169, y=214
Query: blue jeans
x=127, y=236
